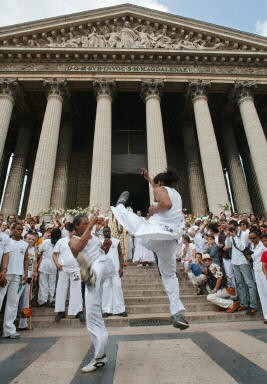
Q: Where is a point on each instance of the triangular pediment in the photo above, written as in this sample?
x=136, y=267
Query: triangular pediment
x=127, y=27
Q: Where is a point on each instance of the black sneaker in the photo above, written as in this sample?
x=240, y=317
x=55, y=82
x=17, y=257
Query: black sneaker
x=59, y=316
x=178, y=321
x=80, y=316
x=105, y=314
x=122, y=314
x=123, y=198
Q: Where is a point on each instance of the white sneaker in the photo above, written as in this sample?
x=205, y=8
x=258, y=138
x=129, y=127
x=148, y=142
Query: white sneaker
x=94, y=364
x=15, y=335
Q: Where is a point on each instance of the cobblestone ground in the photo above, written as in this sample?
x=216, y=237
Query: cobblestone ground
x=208, y=353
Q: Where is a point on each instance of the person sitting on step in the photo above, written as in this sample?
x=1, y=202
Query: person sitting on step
x=219, y=293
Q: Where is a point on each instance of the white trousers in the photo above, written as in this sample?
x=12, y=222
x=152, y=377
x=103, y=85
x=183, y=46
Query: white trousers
x=66, y=279
x=47, y=286
x=196, y=280
x=229, y=271
x=220, y=298
x=24, y=303
x=261, y=282
x=166, y=254
x=13, y=291
x=103, y=269
x=112, y=298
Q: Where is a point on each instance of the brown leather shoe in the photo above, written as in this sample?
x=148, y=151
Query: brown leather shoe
x=233, y=307
x=242, y=308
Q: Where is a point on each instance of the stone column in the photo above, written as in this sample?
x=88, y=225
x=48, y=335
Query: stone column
x=236, y=173
x=101, y=160
x=156, y=152
x=8, y=89
x=194, y=169
x=254, y=133
x=59, y=190
x=14, y=186
x=43, y=173
x=210, y=157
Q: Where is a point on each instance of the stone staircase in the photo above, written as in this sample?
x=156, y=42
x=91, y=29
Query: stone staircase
x=147, y=303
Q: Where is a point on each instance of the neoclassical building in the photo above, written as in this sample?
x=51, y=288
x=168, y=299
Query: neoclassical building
x=87, y=99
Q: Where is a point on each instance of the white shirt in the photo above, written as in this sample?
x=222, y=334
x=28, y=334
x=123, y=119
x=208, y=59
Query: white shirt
x=31, y=260
x=200, y=242
x=173, y=217
x=65, y=256
x=92, y=250
x=4, y=244
x=113, y=253
x=47, y=264
x=237, y=256
x=16, y=257
x=256, y=256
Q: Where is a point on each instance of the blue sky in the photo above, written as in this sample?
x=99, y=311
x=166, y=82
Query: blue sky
x=245, y=15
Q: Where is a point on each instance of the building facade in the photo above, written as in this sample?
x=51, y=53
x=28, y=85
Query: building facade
x=87, y=99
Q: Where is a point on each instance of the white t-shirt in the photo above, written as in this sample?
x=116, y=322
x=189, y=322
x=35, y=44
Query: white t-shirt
x=16, y=257
x=173, y=217
x=31, y=260
x=4, y=244
x=47, y=264
x=65, y=256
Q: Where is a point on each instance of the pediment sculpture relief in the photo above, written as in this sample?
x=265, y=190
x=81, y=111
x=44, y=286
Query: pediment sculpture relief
x=123, y=35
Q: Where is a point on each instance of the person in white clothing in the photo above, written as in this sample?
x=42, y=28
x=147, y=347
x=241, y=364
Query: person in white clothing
x=245, y=282
x=142, y=256
x=258, y=248
x=160, y=233
x=48, y=270
x=16, y=276
x=4, y=256
x=68, y=276
x=112, y=298
x=96, y=267
x=30, y=239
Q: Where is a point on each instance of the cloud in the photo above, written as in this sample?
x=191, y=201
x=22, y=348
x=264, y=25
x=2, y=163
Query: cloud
x=19, y=11
x=261, y=28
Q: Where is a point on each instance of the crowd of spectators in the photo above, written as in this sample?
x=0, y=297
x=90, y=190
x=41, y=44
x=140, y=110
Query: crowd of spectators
x=226, y=258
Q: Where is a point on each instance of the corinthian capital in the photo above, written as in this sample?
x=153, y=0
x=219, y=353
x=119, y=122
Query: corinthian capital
x=244, y=89
x=57, y=87
x=198, y=88
x=151, y=88
x=9, y=87
x=104, y=88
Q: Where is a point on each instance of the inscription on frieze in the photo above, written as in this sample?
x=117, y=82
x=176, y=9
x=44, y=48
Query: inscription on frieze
x=142, y=68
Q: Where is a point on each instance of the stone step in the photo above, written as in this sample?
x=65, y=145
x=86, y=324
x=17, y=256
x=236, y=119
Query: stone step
x=162, y=308
x=156, y=288
x=144, y=319
x=137, y=300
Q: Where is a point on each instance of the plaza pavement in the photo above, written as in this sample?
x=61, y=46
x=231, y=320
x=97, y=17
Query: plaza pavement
x=221, y=353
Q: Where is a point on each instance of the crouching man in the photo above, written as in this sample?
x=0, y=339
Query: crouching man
x=197, y=273
x=219, y=293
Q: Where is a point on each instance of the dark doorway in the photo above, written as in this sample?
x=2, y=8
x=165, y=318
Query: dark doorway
x=136, y=185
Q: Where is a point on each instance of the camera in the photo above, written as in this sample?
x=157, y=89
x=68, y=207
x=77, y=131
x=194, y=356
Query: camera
x=231, y=230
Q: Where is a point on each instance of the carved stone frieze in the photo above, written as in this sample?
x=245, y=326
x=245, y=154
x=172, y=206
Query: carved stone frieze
x=122, y=34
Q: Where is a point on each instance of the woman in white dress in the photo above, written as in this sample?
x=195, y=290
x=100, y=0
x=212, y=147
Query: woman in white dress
x=160, y=233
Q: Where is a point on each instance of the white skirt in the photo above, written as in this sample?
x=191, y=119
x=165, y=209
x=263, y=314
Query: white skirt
x=140, y=227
